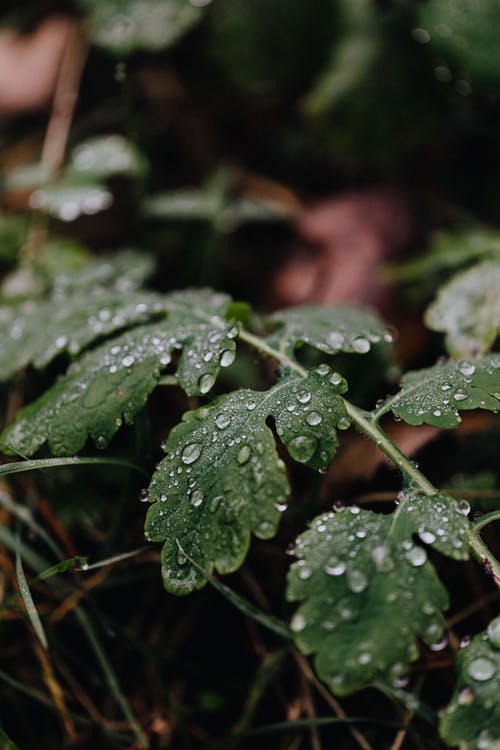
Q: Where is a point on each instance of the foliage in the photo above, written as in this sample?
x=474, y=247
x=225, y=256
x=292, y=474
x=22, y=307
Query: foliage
x=231, y=417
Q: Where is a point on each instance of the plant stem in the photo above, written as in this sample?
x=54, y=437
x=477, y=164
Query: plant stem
x=486, y=519
x=367, y=423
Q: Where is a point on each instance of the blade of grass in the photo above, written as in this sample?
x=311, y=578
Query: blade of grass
x=110, y=677
x=115, y=558
x=24, y=515
x=5, y=742
x=31, y=558
x=29, y=603
x=54, y=463
x=62, y=567
x=268, y=621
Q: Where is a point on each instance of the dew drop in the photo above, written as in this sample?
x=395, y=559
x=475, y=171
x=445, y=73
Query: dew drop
x=314, y=418
x=335, y=339
x=222, y=421
x=427, y=537
x=191, y=453
x=466, y=696
x=206, y=382
x=361, y=345
x=128, y=361
x=466, y=367
x=356, y=580
x=227, y=358
x=460, y=395
x=334, y=567
x=101, y=442
x=304, y=397
x=323, y=369
x=343, y=423
x=494, y=632
x=481, y=669
x=462, y=507
x=335, y=378
x=196, y=498
x=143, y=495
x=304, y=573
x=298, y=622
x=243, y=454
x=302, y=447
x=416, y=556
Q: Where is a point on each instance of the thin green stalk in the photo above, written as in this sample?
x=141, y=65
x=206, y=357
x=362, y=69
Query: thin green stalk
x=367, y=423
x=111, y=678
x=486, y=519
x=53, y=463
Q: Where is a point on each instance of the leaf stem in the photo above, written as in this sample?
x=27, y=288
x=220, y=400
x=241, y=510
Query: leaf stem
x=367, y=423
x=486, y=519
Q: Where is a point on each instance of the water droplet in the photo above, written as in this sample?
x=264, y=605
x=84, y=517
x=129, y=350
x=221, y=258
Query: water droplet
x=233, y=332
x=460, y=395
x=227, y=358
x=323, y=369
x=101, y=442
x=421, y=36
x=416, y=556
x=494, y=632
x=250, y=405
x=302, y=447
x=335, y=378
x=336, y=340
x=196, y=497
x=356, y=580
x=466, y=696
x=304, y=573
x=304, y=397
x=243, y=454
x=265, y=529
x=143, y=495
x=313, y=418
x=128, y=361
x=298, y=622
x=481, y=669
x=191, y=453
x=466, y=368
x=334, y=567
x=382, y=558
x=364, y=658
x=206, y=382
x=427, y=536
x=343, y=423
x=361, y=345
x=222, y=421
x=441, y=644
x=462, y=507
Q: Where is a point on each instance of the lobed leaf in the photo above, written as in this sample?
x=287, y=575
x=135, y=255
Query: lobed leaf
x=123, y=26
x=435, y=395
x=37, y=333
x=222, y=479
x=329, y=329
x=472, y=718
x=368, y=591
x=467, y=309
x=114, y=380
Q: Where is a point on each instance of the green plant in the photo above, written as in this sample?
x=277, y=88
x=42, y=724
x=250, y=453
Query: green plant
x=366, y=588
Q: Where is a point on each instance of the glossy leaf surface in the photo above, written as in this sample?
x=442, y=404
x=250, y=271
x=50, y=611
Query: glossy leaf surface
x=222, y=479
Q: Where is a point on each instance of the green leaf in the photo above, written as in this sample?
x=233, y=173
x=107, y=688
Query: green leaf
x=472, y=718
x=367, y=592
x=124, y=271
x=448, y=252
x=329, y=329
x=465, y=32
x=114, y=380
x=31, y=610
x=222, y=479
x=67, y=200
x=436, y=394
x=105, y=156
x=38, y=333
x=467, y=309
x=122, y=26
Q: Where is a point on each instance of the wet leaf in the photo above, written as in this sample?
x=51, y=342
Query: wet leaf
x=67, y=200
x=472, y=718
x=222, y=479
x=104, y=156
x=122, y=26
x=39, y=332
x=114, y=380
x=367, y=592
x=329, y=329
x=465, y=33
x=467, y=309
x=435, y=395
